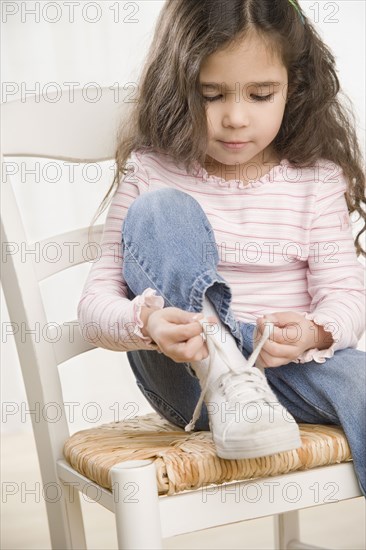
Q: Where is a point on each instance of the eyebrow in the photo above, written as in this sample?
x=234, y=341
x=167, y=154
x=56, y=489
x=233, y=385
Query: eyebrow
x=217, y=85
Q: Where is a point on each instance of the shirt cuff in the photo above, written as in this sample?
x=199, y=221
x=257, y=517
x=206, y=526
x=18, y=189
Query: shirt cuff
x=315, y=354
x=148, y=299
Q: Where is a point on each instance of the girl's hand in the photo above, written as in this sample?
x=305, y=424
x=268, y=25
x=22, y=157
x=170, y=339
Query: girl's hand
x=291, y=336
x=177, y=335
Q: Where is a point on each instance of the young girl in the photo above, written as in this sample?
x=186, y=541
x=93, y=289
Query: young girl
x=238, y=169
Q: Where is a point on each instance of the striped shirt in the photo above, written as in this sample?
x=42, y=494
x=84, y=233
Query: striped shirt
x=284, y=240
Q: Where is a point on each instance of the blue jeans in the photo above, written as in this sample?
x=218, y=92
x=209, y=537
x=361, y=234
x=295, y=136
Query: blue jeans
x=169, y=245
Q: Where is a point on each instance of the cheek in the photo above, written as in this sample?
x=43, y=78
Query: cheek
x=272, y=118
x=212, y=120
x=279, y=114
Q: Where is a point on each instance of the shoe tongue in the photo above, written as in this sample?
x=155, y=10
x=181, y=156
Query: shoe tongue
x=238, y=369
x=250, y=384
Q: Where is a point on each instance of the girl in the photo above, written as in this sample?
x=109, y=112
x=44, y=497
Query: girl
x=228, y=267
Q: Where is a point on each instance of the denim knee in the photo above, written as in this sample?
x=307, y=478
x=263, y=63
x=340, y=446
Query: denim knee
x=161, y=199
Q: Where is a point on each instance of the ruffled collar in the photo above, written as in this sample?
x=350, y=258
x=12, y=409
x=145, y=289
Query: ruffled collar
x=270, y=177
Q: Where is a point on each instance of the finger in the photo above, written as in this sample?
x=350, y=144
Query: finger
x=268, y=318
x=271, y=361
x=192, y=350
x=278, y=350
x=195, y=328
x=260, y=363
x=183, y=333
x=284, y=319
x=180, y=316
x=289, y=334
x=263, y=322
x=281, y=318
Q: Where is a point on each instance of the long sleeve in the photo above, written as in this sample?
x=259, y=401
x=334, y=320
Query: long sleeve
x=107, y=318
x=335, y=276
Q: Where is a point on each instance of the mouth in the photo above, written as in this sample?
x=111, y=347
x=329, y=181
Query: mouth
x=234, y=144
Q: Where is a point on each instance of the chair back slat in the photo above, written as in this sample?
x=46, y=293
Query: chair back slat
x=64, y=127
x=70, y=249
x=68, y=341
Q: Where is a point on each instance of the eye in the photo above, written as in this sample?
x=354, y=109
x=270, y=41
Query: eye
x=262, y=97
x=255, y=97
x=211, y=98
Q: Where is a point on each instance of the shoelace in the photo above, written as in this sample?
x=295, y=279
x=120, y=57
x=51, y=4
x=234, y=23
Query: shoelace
x=252, y=376
x=241, y=385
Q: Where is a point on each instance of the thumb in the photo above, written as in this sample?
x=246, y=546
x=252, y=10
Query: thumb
x=209, y=318
x=270, y=318
x=184, y=317
x=262, y=321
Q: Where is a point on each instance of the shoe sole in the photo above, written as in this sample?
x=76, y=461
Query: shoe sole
x=256, y=448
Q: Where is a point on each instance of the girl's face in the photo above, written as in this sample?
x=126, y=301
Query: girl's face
x=240, y=109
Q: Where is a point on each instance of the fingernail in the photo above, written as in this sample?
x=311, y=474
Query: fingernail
x=198, y=316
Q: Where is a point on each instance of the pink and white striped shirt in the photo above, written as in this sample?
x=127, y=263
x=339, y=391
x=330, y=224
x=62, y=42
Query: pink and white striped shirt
x=285, y=244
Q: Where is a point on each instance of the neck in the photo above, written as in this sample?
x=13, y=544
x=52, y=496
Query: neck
x=256, y=168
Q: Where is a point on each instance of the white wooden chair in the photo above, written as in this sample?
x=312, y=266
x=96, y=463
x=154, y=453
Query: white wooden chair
x=85, y=132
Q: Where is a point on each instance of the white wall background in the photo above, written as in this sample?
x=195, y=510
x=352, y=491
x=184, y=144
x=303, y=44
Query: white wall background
x=109, y=51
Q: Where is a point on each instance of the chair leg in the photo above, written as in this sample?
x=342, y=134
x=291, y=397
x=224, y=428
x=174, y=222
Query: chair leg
x=136, y=502
x=65, y=520
x=287, y=533
x=286, y=529
x=75, y=519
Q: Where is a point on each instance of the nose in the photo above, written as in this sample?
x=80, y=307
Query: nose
x=236, y=113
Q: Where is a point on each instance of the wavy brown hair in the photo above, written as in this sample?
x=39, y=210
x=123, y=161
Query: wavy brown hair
x=169, y=114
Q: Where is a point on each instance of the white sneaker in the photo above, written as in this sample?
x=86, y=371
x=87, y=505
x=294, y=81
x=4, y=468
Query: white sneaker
x=245, y=416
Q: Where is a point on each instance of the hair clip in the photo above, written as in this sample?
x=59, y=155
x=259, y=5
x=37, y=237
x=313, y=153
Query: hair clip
x=298, y=11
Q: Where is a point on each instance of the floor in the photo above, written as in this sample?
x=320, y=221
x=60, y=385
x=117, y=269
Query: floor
x=24, y=525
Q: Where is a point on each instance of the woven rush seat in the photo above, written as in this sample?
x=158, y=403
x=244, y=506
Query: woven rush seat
x=185, y=461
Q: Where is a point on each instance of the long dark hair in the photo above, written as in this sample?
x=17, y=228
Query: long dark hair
x=169, y=114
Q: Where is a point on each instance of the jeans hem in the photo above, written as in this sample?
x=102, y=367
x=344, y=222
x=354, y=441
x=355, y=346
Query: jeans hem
x=202, y=283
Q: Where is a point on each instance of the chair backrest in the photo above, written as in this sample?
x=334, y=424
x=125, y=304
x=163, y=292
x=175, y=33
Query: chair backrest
x=58, y=128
